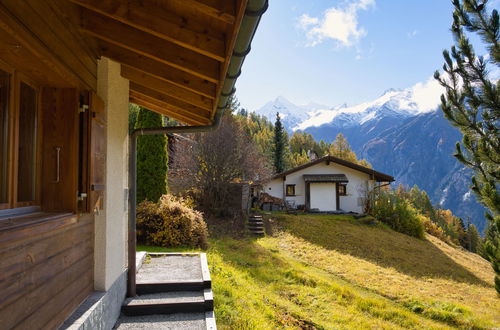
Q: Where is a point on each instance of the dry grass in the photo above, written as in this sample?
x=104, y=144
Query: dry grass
x=428, y=276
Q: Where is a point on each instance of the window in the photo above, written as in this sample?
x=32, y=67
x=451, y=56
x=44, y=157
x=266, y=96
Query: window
x=4, y=137
x=290, y=190
x=342, y=189
x=18, y=140
x=27, y=137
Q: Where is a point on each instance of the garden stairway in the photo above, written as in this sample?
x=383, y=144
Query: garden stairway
x=256, y=225
x=173, y=292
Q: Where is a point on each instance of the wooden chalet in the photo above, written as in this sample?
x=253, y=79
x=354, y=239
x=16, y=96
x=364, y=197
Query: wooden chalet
x=68, y=70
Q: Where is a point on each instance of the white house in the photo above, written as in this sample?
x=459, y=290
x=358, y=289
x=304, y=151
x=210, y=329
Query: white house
x=326, y=184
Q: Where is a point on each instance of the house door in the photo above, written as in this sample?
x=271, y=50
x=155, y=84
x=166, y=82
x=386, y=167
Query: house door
x=322, y=196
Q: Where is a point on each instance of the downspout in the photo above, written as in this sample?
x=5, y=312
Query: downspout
x=255, y=9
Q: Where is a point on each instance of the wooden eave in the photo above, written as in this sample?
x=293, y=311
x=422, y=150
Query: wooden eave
x=175, y=53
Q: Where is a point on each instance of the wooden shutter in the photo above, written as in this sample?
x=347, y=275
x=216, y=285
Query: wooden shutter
x=97, y=166
x=60, y=149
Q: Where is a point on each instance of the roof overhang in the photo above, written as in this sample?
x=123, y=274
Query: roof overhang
x=175, y=53
x=182, y=57
x=374, y=175
x=340, y=178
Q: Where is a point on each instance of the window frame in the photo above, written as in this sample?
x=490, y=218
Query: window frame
x=286, y=190
x=16, y=79
x=344, y=186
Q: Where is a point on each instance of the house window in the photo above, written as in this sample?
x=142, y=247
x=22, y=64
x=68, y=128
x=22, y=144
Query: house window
x=290, y=190
x=27, y=137
x=18, y=141
x=342, y=189
x=4, y=137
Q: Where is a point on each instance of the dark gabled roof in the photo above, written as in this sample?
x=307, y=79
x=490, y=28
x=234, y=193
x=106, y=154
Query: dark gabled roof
x=378, y=176
x=325, y=178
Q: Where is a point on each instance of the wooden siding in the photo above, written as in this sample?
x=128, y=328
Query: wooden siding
x=47, y=271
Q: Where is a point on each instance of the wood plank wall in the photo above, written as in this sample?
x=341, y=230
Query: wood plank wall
x=47, y=271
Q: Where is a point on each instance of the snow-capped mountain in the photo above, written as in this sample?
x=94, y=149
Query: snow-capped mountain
x=421, y=98
x=403, y=133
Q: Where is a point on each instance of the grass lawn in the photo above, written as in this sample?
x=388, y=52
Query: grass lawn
x=334, y=272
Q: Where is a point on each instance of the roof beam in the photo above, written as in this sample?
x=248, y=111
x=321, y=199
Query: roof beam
x=14, y=27
x=161, y=110
x=174, y=104
x=149, y=45
x=165, y=109
x=163, y=24
x=167, y=88
x=158, y=69
x=221, y=10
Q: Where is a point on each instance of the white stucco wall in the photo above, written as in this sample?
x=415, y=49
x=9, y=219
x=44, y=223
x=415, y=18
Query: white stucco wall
x=111, y=224
x=357, y=187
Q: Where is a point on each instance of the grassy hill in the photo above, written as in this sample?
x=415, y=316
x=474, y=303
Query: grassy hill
x=327, y=272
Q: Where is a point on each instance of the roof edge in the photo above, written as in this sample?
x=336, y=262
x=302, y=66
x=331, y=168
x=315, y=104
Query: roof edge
x=378, y=176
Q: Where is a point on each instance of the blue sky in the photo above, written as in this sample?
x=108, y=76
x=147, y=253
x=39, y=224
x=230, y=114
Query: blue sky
x=343, y=51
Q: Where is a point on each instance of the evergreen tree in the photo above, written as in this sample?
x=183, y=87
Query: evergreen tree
x=473, y=238
x=340, y=148
x=279, y=145
x=152, y=158
x=133, y=110
x=472, y=104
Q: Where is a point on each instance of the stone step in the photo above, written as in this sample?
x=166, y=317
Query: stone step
x=257, y=232
x=169, y=303
x=171, y=286
x=192, y=321
x=256, y=225
x=259, y=222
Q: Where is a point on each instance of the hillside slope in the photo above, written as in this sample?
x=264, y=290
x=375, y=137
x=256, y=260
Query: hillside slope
x=324, y=272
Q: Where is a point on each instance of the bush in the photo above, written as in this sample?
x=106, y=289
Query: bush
x=433, y=229
x=171, y=222
x=396, y=212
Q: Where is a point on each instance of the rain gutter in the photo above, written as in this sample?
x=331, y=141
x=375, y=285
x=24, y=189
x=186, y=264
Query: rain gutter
x=254, y=10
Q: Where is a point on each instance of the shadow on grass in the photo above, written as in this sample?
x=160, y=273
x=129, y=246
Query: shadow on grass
x=408, y=255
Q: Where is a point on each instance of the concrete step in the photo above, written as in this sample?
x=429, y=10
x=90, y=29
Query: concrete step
x=191, y=321
x=170, y=286
x=256, y=222
x=169, y=302
x=257, y=232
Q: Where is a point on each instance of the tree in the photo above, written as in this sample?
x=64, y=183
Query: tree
x=133, y=110
x=473, y=239
x=340, y=148
x=472, y=104
x=279, y=145
x=152, y=158
x=217, y=160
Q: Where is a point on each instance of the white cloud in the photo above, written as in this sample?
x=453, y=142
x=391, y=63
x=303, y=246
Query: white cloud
x=427, y=95
x=412, y=33
x=338, y=23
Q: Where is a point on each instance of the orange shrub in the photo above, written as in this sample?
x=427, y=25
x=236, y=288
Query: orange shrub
x=171, y=222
